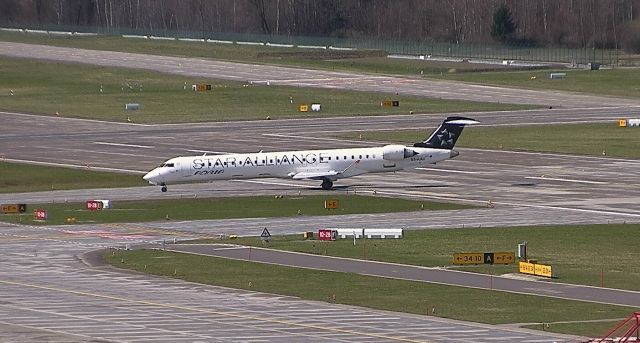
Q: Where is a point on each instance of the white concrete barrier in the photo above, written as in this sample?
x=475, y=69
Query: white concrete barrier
x=312, y=47
x=35, y=31
x=85, y=34
x=249, y=43
x=349, y=233
x=11, y=29
x=161, y=38
x=190, y=40
x=134, y=36
x=343, y=49
x=217, y=41
x=278, y=45
x=383, y=233
x=60, y=33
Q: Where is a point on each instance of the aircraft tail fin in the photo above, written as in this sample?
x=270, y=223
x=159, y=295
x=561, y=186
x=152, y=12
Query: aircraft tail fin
x=446, y=135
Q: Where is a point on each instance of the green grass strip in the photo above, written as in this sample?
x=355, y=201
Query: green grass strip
x=18, y=178
x=381, y=293
x=224, y=208
x=595, y=255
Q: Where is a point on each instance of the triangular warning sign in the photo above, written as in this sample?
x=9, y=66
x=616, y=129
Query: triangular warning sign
x=265, y=233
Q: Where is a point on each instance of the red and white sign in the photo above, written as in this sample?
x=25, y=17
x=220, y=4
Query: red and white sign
x=93, y=205
x=40, y=214
x=327, y=235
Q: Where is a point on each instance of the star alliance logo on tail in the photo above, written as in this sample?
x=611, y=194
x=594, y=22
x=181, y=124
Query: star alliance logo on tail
x=448, y=141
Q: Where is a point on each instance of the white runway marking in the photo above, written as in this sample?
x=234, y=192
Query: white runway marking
x=565, y=180
x=125, y=145
x=208, y=152
x=75, y=166
x=448, y=170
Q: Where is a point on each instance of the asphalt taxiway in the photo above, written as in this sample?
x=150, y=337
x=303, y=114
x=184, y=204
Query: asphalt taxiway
x=51, y=291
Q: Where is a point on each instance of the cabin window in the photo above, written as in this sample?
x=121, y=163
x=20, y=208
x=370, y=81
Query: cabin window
x=367, y=156
x=360, y=157
x=337, y=158
x=345, y=157
x=225, y=163
x=329, y=158
x=353, y=157
x=263, y=161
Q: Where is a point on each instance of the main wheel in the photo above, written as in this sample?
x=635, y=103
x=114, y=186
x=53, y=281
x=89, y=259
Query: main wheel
x=163, y=189
x=327, y=184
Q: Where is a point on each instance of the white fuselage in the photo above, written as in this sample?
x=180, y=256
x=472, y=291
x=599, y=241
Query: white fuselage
x=306, y=164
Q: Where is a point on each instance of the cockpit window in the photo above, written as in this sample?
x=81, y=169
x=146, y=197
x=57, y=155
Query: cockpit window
x=168, y=165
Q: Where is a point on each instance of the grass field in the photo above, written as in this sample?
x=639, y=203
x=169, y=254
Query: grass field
x=222, y=208
x=593, y=255
x=617, y=82
x=575, y=139
x=84, y=91
x=381, y=293
x=17, y=178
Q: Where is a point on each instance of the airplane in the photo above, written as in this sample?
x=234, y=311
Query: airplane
x=325, y=165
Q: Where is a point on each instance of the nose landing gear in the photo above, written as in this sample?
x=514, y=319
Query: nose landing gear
x=164, y=188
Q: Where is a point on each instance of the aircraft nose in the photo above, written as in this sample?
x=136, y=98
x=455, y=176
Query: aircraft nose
x=152, y=177
x=453, y=154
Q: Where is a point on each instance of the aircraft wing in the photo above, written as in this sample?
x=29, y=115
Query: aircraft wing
x=315, y=175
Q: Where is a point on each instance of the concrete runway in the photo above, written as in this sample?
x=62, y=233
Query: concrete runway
x=597, y=188
x=49, y=295
x=298, y=77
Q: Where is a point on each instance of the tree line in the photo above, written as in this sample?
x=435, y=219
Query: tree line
x=572, y=23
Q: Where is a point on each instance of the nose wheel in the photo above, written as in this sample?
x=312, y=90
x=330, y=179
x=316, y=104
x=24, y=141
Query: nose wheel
x=327, y=184
x=163, y=189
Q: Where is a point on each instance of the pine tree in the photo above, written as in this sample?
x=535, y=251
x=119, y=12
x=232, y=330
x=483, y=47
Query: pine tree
x=503, y=26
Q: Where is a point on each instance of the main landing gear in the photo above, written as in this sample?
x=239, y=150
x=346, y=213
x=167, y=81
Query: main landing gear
x=327, y=184
x=163, y=189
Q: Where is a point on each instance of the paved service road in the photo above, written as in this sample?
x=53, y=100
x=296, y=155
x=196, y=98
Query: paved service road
x=298, y=77
x=405, y=272
x=50, y=295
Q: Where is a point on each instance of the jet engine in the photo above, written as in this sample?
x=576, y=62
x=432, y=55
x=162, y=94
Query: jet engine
x=397, y=152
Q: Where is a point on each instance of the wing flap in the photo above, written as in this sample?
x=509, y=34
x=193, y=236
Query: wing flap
x=315, y=175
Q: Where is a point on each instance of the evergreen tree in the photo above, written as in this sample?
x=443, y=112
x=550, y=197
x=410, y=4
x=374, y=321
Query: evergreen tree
x=503, y=27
